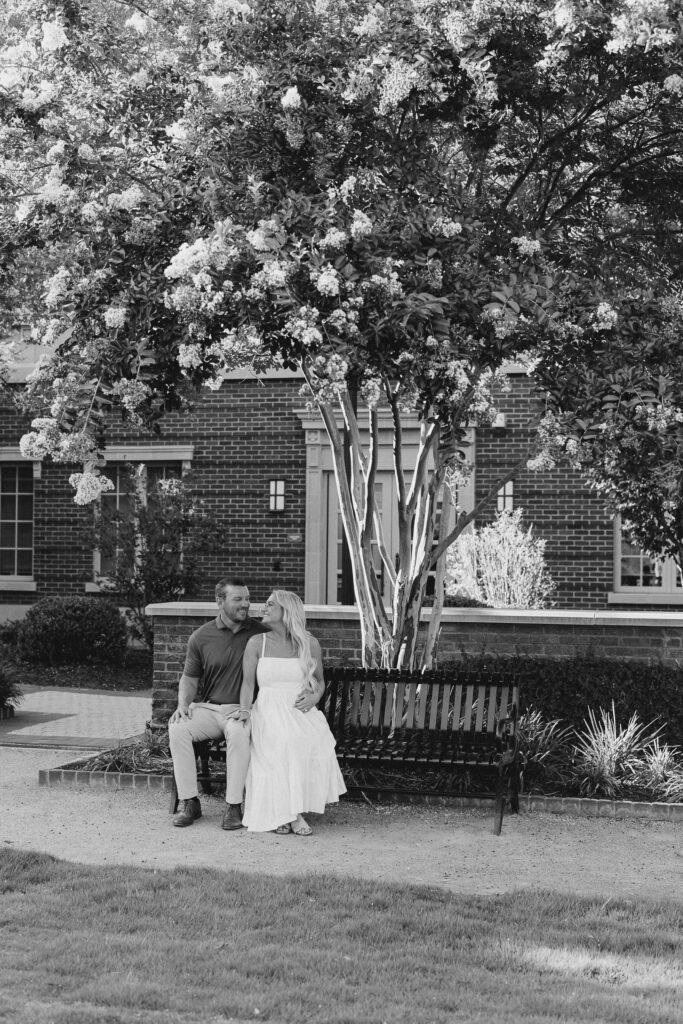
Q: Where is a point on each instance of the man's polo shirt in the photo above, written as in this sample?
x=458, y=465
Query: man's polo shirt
x=215, y=654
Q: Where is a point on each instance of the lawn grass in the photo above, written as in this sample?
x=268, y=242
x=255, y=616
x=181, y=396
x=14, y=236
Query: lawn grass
x=113, y=945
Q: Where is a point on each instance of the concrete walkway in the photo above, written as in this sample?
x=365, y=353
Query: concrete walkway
x=75, y=719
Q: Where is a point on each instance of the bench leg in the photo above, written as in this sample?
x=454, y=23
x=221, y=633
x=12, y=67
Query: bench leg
x=174, y=798
x=499, y=808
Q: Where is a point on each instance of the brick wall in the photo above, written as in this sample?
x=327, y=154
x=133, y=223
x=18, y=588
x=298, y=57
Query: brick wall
x=626, y=636
x=562, y=510
x=243, y=436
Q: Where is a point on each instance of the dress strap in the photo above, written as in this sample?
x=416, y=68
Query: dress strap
x=263, y=646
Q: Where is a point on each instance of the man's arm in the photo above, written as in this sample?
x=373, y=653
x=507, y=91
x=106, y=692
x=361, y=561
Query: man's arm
x=187, y=691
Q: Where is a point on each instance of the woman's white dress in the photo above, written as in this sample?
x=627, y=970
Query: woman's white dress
x=293, y=767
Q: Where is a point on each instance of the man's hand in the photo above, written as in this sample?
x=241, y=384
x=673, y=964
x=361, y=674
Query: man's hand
x=181, y=713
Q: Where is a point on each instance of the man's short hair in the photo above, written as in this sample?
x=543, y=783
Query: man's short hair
x=227, y=581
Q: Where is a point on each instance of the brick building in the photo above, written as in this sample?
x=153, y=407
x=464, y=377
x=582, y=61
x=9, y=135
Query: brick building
x=260, y=460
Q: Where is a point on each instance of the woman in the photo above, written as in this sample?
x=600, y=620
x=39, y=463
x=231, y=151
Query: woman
x=293, y=767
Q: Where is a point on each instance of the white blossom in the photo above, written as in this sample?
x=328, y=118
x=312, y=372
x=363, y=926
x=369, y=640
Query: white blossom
x=361, y=224
x=90, y=211
x=138, y=22
x=447, y=227
x=57, y=287
x=86, y=152
x=605, y=317
x=177, y=131
x=335, y=239
x=527, y=246
x=139, y=79
x=371, y=25
x=89, y=486
x=129, y=199
x=57, y=151
x=190, y=357
x=54, y=36
x=674, y=84
x=291, y=100
x=328, y=281
x=115, y=316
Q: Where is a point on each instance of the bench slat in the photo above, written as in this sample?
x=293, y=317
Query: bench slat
x=469, y=699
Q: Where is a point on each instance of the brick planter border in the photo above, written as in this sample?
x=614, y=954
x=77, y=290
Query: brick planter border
x=578, y=806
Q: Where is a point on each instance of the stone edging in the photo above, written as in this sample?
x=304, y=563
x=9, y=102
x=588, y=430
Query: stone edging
x=578, y=806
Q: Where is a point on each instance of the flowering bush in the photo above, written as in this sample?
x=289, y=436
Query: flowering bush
x=500, y=565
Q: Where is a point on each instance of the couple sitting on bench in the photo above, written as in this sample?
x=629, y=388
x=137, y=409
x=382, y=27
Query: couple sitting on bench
x=280, y=756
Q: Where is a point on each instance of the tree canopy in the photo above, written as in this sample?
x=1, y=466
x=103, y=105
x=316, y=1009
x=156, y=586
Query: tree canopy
x=398, y=198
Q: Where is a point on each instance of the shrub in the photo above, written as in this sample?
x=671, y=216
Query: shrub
x=10, y=694
x=563, y=688
x=500, y=565
x=607, y=755
x=72, y=630
x=545, y=747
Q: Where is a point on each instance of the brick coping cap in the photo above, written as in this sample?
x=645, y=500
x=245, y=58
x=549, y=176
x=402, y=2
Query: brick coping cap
x=483, y=616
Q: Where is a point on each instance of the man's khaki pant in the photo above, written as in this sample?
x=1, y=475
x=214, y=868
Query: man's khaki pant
x=209, y=722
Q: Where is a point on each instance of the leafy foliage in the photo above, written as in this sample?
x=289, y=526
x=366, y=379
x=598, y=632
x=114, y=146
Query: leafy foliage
x=500, y=565
x=72, y=630
x=607, y=753
x=10, y=694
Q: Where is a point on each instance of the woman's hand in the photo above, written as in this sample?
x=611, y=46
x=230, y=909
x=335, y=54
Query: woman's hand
x=243, y=715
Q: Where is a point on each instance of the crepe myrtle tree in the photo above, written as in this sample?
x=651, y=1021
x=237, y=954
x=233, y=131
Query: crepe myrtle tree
x=398, y=199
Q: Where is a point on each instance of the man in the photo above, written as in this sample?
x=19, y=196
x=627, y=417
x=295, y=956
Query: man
x=214, y=655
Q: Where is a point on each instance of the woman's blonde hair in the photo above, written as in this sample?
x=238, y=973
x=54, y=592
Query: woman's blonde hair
x=294, y=621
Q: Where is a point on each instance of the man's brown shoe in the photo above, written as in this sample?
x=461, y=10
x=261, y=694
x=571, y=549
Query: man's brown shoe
x=232, y=817
x=192, y=809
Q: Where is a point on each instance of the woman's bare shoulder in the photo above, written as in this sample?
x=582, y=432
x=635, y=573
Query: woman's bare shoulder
x=254, y=643
x=315, y=646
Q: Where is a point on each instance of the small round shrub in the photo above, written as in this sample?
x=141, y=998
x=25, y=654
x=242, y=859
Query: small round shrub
x=10, y=694
x=72, y=631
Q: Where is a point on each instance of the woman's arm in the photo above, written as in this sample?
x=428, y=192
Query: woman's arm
x=307, y=699
x=249, y=663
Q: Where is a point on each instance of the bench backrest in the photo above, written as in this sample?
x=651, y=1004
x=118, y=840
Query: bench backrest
x=380, y=700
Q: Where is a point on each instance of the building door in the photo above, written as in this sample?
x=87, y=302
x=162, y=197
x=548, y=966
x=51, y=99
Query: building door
x=385, y=499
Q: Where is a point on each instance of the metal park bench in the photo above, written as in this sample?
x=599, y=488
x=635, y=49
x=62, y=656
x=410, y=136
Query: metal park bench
x=454, y=727
x=457, y=728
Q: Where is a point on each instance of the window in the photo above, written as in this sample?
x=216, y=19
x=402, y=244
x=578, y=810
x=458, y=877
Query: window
x=277, y=495
x=641, y=575
x=126, y=479
x=16, y=521
x=506, y=497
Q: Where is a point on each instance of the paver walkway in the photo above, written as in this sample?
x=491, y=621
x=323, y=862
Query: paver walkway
x=75, y=718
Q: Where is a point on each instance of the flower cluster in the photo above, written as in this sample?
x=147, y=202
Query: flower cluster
x=115, y=317
x=46, y=440
x=57, y=287
x=605, y=317
x=54, y=36
x=400, y=79
x=90, y=485
x=303, y=326
x=327, y=281
x=335, y=240
x=446, y=227
x=361, y=226
x=132, y=394
x=128, y=200
x=291, y=100
x=527, y=246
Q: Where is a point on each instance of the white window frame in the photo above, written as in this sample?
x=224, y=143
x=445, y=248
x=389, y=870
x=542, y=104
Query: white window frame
x=667, y=594
x=120, y=455
x=13, y=582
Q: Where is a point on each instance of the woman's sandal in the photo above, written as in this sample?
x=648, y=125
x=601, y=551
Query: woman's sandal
x=300, y=827
x=283, y=830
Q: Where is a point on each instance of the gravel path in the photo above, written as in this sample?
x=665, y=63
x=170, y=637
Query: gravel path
x=452, y=849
